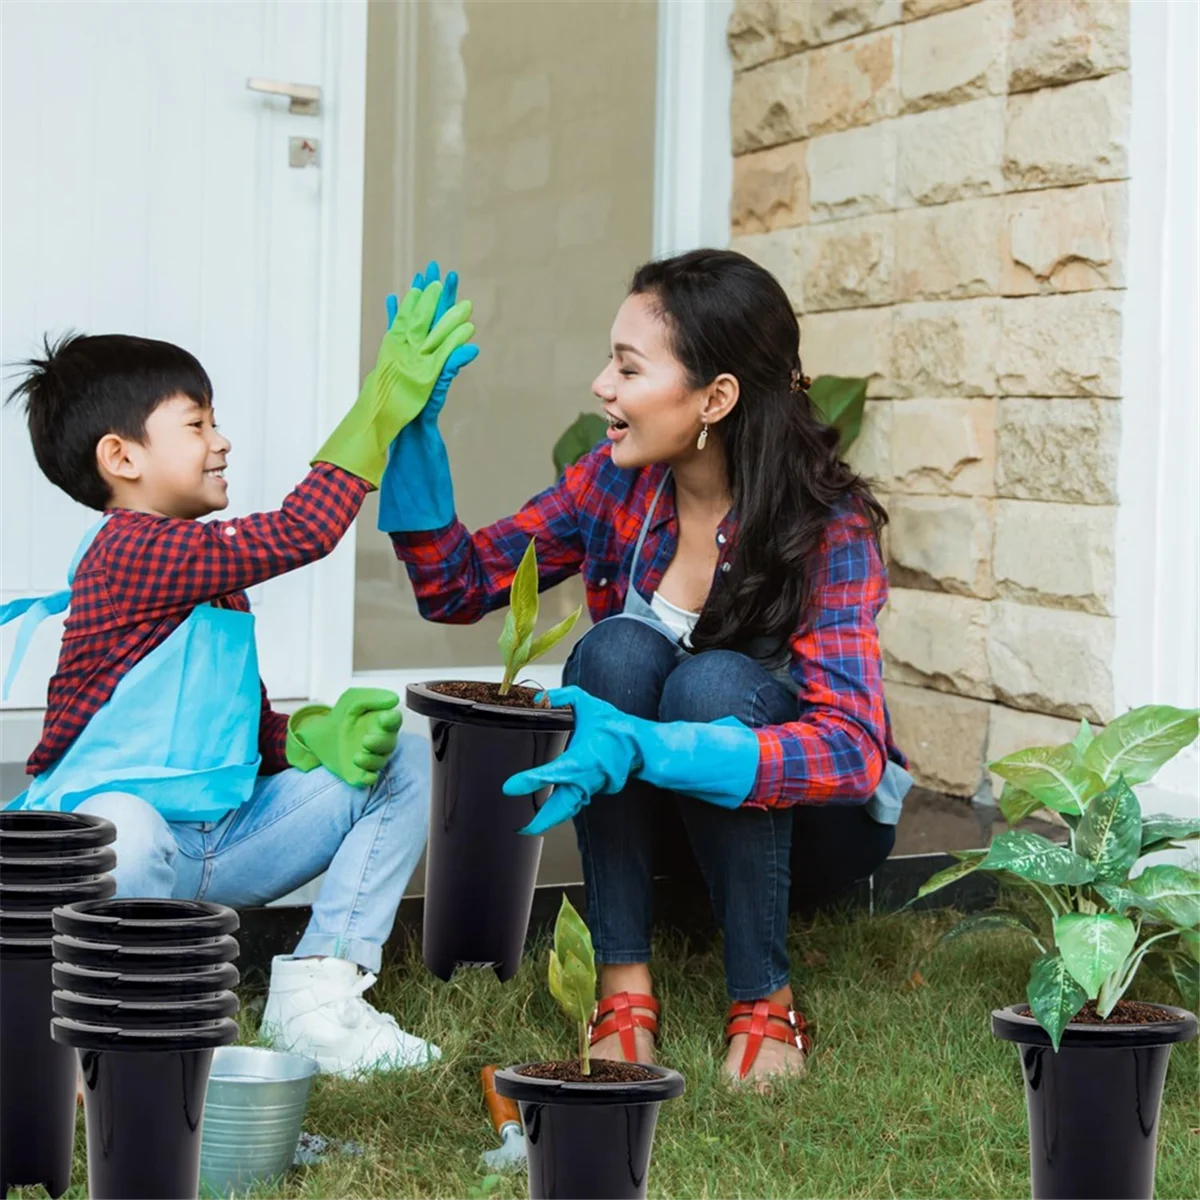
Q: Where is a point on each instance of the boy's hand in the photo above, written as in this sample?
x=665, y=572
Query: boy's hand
x=353, y=740
x=412, y=355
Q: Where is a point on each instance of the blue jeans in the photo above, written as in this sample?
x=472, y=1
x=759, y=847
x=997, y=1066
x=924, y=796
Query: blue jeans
x=744, y=854
x=294, y=826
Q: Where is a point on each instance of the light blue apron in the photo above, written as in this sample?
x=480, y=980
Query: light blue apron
x=180, y=729
x=774, y=655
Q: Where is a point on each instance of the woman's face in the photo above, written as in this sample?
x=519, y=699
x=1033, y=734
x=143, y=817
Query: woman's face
x=653, y=415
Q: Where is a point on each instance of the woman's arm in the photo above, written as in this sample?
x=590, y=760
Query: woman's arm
x=836, y=750
x=458, y=577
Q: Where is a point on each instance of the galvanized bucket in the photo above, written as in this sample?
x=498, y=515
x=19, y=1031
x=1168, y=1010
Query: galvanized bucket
x=252, y=1116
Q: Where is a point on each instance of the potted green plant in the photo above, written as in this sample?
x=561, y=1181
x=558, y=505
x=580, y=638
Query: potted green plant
x=1094, y=1060
x=480, y=872
x=589, y=1122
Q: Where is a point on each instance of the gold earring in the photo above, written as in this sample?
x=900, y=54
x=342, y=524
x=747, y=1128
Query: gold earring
x=702, y=440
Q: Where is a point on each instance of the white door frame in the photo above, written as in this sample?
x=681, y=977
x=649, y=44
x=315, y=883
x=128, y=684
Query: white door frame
x=344, y=73
x=693, y=181
x=1157, y=652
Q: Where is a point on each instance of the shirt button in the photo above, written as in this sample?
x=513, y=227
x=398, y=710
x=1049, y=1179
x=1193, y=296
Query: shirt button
x=603, y=582
x=230, y=531
x=726, y=566
x=720, y=539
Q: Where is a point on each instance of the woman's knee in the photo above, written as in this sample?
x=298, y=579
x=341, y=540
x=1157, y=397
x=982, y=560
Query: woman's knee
x=724, y=683
x=623, y=661
x=145, y=847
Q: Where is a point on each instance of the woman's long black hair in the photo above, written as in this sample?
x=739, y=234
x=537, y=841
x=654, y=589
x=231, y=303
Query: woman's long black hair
x=727, y=315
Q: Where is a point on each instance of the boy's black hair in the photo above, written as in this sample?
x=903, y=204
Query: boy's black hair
x=87, y=387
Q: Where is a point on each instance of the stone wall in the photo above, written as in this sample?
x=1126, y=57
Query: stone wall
x=940, y=186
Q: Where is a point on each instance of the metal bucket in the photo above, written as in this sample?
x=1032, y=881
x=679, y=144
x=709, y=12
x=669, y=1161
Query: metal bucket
x=252, y=1116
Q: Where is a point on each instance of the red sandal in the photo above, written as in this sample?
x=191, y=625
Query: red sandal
x=619, y=1017
x=762, y=1019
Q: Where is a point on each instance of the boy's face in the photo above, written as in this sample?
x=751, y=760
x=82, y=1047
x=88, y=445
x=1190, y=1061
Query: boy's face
x=178, y=469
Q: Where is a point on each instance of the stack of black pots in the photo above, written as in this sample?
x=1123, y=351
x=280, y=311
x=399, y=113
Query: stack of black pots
x=143, y=994
x=46, y=859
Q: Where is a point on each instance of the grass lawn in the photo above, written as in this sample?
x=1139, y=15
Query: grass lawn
x=907, y=1092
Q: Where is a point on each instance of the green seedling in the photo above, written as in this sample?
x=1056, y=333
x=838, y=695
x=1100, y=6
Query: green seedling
x=517, y=643
x=573, y=974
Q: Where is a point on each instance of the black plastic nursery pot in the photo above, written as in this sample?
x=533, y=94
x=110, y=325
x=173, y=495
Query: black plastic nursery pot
x=129, y=923
x=1093, y=1106
x=46, y=859
x=52, y=834
x=143, y=1095
x=153, y=960
x=588, y=1140
x=88, y=981
x=480, y=873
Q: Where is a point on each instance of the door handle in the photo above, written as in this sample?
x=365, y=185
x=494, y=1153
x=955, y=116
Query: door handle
x=305, y=97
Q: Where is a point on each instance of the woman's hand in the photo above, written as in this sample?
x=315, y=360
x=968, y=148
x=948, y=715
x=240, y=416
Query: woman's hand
x=416, y=493
x=716, y=762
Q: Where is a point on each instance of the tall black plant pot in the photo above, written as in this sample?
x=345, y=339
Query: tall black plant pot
x=480, y=873
x=1093, y=1106
x=46, y=858
x=589, y=1141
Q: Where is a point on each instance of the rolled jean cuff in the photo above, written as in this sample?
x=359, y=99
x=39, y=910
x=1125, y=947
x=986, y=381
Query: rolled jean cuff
x=622, y=958
x=758, y=993
x=367, y=955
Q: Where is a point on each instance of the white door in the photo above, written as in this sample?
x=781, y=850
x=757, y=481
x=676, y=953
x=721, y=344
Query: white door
x=147, y=190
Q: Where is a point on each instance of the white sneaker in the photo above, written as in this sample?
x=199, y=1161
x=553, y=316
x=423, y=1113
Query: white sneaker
x=315, y=1007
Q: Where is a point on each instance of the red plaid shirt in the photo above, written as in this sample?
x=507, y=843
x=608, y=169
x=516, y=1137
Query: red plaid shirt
x=589, y=522
x=144, y=574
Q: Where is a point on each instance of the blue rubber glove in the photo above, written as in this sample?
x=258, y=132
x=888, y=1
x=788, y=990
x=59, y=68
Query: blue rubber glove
x=417, y=493
x=716, y=762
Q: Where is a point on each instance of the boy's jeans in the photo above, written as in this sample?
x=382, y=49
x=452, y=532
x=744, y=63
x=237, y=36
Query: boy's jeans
x=296, y=825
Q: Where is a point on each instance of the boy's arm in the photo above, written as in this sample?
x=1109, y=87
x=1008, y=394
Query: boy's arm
x=272, y=738
x=157, y=565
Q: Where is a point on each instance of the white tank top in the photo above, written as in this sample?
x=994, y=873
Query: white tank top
x=678, y=620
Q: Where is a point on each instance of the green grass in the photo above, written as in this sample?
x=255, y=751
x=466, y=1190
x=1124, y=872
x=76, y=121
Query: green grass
x=907, y=1094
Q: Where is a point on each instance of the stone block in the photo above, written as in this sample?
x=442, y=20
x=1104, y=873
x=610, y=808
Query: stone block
x=951, y=251
x=1068, y=135
x=770, y=189
x=955, y=56
x=1065, y=240
x=1055, y=555
x=853, y=173
x=781, y=253
x=951, y=153
x=1066, y=40
x=762, y=30
x=870, y=455
x=932, y=639
x=1010, y=730
x=946, y=348
x=915, y=10
x=941, y=543
x=855, y=342
x=832, y=20
x=848, y=264
x=527, y=163
x=769, y=105
x=944, y=737
x=1066, y=345
x=1058, y=450
x=944, y=447
x=853, y=83
x=1051, y=661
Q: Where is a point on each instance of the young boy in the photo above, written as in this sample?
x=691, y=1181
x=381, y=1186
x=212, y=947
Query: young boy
x=156, y=717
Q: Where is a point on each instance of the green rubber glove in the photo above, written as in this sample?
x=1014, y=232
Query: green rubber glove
x=353, y=739
x=411, y=357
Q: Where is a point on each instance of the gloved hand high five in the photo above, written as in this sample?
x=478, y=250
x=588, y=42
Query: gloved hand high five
x=417, y=493
x=353, y=740
x=414, y=351
x=716, y=762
